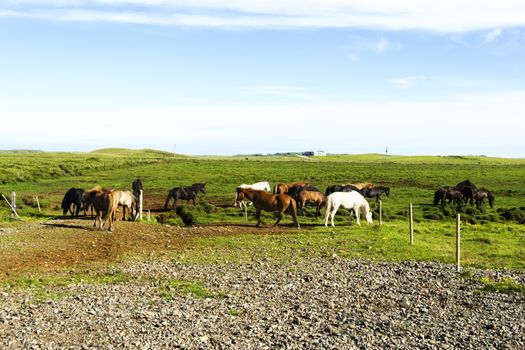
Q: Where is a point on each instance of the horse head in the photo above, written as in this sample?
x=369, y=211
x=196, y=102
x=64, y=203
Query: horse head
x=369, y=216
x=199, y=187
x=239, y=197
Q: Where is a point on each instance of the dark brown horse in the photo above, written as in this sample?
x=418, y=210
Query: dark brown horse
x=285, y=187
x=266, y=201
x=453, y=194
x=481, y=194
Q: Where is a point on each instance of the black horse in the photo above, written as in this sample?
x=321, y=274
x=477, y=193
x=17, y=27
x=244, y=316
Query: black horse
x=73, y=201
x=468, y=189
x=375, y=192
x=137, y=188
x=340, y=188
x=187, y=193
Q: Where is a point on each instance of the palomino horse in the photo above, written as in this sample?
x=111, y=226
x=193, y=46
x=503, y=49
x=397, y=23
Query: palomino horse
x=127, y=200
x=74, y=197
x=285, y=187
x=362, y=185
x=349, y=200
x=260, y=186
x=314, y=197
x=307, y=194
x=266, y=201
x=105, y=204
x=187, y=193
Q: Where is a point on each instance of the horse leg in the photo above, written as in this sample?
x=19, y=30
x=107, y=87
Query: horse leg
x=334, y=211
x=167, y=202
x=279, y=217
x=356, y=210
x=293, y=205
x=258, y=217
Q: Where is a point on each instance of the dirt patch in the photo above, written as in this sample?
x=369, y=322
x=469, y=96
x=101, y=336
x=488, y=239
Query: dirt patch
x=59, y=244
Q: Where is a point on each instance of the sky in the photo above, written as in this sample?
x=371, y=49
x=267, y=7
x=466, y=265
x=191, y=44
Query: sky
x=225, y=77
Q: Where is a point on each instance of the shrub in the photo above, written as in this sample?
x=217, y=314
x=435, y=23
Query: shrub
x=187, y=216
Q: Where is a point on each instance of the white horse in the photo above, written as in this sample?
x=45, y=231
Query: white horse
x=259, y=186
x=349, y=200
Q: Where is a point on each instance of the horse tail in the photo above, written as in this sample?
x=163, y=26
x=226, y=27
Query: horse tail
x=328, y=209
x=275, y=188
x=113, y=200
x=436, y=197
x=293, y=204
x=170, y=194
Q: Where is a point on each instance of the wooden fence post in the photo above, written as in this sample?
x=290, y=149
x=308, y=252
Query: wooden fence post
x=411, y=219
x=458, y=243
x=141, y=195
x=380, y=212
x=38, y=204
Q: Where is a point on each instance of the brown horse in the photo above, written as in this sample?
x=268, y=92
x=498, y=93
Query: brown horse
x=314, y=197
x=285, y=187
x=266, y=201
x=105, y=203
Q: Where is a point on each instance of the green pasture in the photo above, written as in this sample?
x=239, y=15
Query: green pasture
x=492, y=237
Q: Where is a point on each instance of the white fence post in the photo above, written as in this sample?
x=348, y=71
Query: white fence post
x=458, y=243
x=411, y=219
x=141, y=198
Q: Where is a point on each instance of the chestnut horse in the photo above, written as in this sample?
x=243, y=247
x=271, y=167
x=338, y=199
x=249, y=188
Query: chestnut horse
x=266, y=201
x=262, y=186
x=285, y=187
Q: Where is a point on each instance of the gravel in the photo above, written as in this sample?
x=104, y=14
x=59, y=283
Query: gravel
x=315, y=303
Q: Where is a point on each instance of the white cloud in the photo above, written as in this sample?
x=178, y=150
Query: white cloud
x=406, y=82
x=492, y=35
x=280, y=90
x=442, y=16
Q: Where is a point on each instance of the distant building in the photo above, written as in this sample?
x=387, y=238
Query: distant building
x=314, y=153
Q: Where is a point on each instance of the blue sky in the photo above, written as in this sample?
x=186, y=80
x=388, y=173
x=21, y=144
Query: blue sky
x=230, y=77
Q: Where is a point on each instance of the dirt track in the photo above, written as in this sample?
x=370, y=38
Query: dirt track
x=57, y=244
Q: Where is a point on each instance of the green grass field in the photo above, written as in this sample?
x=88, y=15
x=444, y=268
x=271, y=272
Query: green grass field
x=492, y=237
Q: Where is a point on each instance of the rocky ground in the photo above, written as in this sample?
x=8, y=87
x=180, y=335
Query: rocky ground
x=316, y=303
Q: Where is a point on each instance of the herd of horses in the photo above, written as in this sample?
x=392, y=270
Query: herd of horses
x=285, y=198
x=103, y=202
x=464, y=192
x=292, y=197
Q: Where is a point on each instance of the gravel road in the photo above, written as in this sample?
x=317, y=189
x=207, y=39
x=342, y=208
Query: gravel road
x=314, y=303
